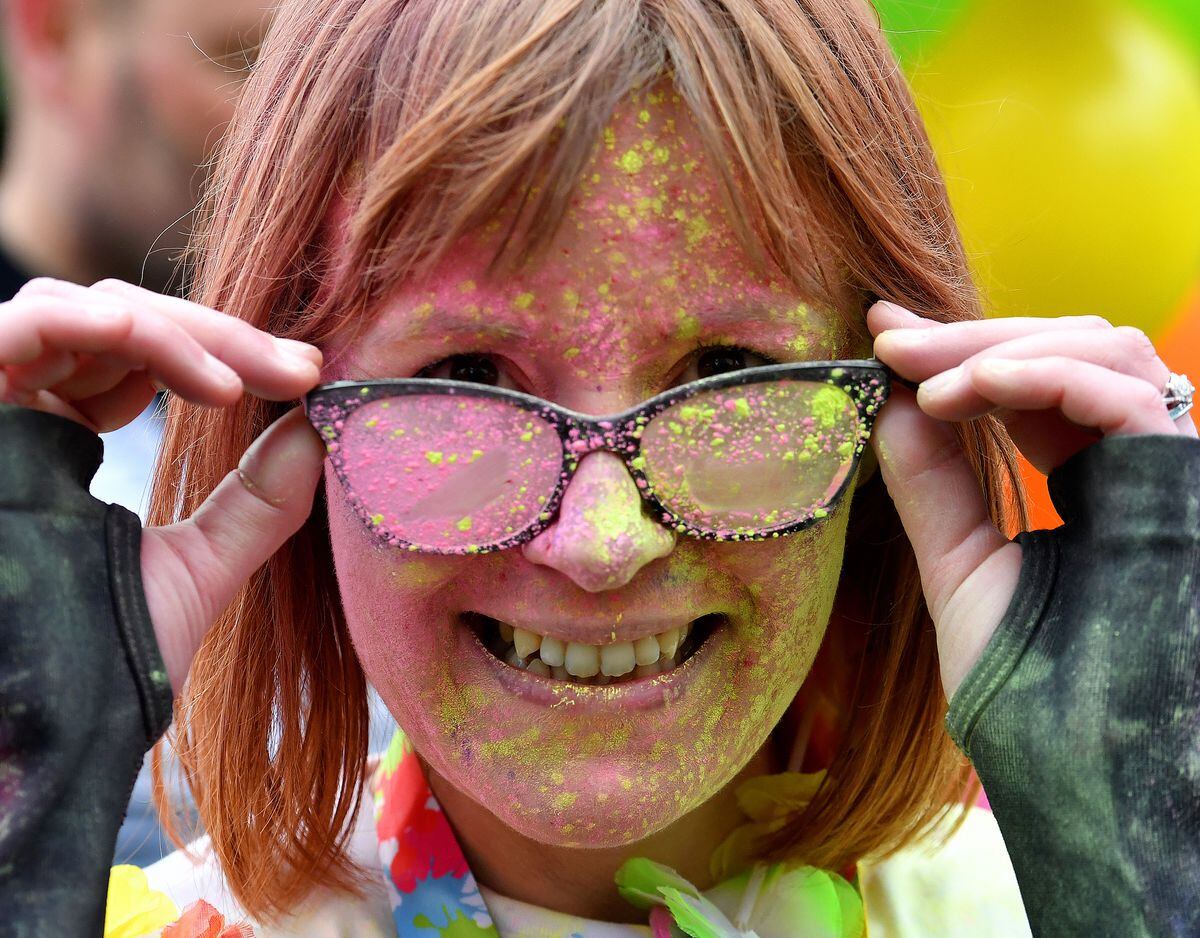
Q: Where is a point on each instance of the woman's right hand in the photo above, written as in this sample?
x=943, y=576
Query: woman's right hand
x=96, y=355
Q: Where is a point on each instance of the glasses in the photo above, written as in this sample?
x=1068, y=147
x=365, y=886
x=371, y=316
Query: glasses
x=451, y=467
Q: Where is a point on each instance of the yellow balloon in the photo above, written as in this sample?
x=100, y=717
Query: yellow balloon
x=1069, y=132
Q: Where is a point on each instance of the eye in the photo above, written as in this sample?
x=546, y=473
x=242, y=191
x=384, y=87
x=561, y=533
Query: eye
x=722, y=359
x=472, y=367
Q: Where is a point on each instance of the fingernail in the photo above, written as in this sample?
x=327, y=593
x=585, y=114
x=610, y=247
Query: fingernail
x=301, y=350
x=268, y=467
x=106, y=314
x=940, y=383
x=903, y=337
x=897, y=308
x=220, y=371
x=1001, y=367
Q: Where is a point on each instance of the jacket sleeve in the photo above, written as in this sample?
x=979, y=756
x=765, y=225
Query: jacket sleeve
x=83, y=690
x=1082, y=717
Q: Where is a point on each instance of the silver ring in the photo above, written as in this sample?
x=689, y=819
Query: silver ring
x=1177, y=395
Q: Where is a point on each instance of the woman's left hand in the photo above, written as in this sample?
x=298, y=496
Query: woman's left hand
x=1058, y=385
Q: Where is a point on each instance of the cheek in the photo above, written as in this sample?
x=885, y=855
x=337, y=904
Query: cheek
x=790, y=587
x=395, y=611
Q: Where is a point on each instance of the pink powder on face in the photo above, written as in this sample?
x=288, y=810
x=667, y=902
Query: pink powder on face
x=644, y=270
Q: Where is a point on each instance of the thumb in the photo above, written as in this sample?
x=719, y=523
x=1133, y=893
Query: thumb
x=968, y=568
x=192, y=569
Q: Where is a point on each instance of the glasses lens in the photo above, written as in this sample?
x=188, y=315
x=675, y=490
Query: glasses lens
x=447, y=473
x=748, y=459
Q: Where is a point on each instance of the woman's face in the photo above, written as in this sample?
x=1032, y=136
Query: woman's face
x=643, y=287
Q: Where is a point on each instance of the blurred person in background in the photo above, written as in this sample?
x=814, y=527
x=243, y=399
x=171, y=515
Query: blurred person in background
x=113, y=108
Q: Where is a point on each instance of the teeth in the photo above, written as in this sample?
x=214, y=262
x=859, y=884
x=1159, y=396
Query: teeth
x=645, y=650
x=547, y=656
x=553, y=651
x=617, y=659
x=527, y=643
x=668, y=642
x=582, y=660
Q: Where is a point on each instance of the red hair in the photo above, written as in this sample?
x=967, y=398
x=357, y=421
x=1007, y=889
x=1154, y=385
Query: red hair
x=423, y=118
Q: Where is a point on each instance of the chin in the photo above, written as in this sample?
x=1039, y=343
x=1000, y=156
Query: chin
x=598, y=806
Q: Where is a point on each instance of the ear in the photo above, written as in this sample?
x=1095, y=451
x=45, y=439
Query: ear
x=39, y=34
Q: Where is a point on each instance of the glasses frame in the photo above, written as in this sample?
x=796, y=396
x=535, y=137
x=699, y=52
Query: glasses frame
x=867, y=382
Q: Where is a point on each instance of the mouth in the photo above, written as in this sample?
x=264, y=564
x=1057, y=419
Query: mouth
x=570, y=662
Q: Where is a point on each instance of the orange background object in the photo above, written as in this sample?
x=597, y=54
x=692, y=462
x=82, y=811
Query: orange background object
x=1179, y=346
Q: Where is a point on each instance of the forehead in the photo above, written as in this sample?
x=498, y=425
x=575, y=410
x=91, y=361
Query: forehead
x=646, y=254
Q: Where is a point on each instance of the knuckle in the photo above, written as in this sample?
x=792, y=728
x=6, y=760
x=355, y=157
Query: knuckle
x=1092, y=321
x=112, y=286
x=40, y=286
x=1137, y=342
x=1146, y=397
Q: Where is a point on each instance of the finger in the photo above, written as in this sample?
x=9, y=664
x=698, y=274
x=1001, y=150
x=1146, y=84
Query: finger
x=884, y=315
x=92, y=376
x=118, y=405
x=45, y=371
x=30, y=325
x=35, y=324
x=1088, y=395
x=271, y=367
x=941, y=505
x=44, y=401
x=168, y=354
x=916, y=354
x=193, y=569
x=1123, y=350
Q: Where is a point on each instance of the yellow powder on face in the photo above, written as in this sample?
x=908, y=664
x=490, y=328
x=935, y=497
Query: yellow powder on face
x=698, y=229
x=460, y=705
x=523, y=301
x=511, y=747
x=631, y=161
x=689, y=325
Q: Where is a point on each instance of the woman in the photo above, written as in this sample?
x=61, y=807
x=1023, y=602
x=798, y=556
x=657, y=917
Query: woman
x=600, y=650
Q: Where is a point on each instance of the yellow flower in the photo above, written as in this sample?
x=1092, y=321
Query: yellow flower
x=133, y=908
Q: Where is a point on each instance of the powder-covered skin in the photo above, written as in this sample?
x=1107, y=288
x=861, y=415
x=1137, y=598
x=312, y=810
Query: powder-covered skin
x=645, y=269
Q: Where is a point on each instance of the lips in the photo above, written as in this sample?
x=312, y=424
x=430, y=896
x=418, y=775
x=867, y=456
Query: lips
x=542, y=653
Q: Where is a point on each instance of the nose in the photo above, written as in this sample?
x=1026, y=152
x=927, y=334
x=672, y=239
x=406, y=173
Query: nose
x=602, y=536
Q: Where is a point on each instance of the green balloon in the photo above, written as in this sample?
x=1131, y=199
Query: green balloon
x=1183, y=14
x=913, y=26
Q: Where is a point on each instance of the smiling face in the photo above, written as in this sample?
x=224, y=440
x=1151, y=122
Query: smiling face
x=644, y=287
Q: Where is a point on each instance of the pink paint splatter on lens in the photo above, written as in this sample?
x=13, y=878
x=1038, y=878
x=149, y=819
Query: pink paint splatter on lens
x=442, y=472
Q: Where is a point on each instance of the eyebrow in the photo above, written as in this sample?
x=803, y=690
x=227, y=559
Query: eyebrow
x=439, y=325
